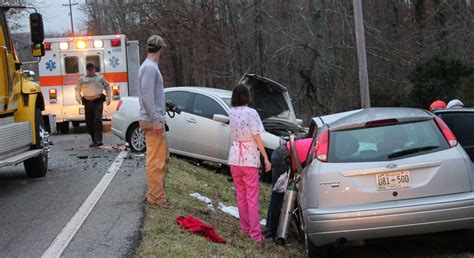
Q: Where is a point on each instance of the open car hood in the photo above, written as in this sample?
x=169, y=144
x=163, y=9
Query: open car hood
x=269, y=98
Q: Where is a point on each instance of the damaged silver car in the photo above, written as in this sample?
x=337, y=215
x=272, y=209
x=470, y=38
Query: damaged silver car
x=201, y=131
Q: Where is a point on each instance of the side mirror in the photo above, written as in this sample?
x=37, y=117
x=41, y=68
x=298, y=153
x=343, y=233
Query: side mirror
x=299, y=122
x=37, y=34
x=220, y=118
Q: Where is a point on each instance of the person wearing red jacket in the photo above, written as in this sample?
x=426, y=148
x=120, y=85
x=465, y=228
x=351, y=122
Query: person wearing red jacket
x=280, y=164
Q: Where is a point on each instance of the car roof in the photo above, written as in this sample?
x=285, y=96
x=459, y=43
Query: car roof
x=358, y=118
x=453, y=110
x=220, y=93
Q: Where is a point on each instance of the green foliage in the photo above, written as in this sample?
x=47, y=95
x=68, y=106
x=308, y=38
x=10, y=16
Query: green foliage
x=441, y=78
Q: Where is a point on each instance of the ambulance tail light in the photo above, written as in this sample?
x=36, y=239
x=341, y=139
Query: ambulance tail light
x=47, y=46
x=115, y=92
x=53, y=96
x=118, y=105
x=115, y=42
x=64, y=45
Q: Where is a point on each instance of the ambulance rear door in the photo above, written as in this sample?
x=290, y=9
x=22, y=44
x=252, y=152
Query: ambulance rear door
x=73, y=66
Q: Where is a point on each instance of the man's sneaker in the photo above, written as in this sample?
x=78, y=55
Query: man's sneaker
x=92, y=145
x=99, y=144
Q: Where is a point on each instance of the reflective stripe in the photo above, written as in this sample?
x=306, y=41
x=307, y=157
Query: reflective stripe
x=58, y=80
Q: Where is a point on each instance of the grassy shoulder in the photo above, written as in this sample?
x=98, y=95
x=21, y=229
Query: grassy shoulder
x=162, y=236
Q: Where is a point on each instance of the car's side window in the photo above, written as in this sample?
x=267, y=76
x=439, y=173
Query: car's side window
x=182, y=99
x=206, y=107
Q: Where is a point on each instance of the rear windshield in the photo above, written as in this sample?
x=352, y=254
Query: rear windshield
x=386, y=142
x=462, y=125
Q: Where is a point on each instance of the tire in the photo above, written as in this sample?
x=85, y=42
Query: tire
x=313, y=251
x=38, y=166
x=136, y=138
x=63, y=127
x=76, y=124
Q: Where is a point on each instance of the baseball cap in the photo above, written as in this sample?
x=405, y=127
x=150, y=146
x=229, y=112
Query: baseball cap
x=156, y=40
x=438, y=104
x=455, y=102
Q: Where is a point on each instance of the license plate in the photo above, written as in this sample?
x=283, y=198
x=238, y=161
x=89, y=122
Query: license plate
x=81, y=111
x=393, y=180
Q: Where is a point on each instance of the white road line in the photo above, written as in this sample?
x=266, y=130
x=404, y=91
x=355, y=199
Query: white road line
x=69, y=231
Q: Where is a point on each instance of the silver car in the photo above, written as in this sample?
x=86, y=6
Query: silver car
x=201, y=131
x=383, y=172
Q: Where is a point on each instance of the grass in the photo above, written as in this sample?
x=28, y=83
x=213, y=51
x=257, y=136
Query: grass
x=162, y=236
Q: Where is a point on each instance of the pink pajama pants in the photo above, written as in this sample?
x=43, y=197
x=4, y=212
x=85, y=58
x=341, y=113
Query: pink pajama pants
x=246, y=187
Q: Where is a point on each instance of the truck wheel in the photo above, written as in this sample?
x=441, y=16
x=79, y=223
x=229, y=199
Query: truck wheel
x=136, y=138
x=76, y=124
x=63, y=127
x=38, y=166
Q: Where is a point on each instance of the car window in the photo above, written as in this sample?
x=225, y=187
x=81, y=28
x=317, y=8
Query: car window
x=385, y=142
x=95, y=59
x=71, y=64
x=4, y=27
x=227, y=101
x=182, y=99
x=206, y=107
x=462, y=125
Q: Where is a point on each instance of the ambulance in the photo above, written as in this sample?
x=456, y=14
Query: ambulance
x=115, y=58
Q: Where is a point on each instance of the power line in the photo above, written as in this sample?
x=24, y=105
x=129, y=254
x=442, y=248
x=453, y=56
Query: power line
x=70, y=13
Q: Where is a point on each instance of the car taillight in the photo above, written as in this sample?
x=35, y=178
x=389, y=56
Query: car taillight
x=118, y=105
x=322, y=146
x=447, y=133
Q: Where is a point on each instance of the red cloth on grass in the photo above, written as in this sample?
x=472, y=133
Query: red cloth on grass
x=196, y=226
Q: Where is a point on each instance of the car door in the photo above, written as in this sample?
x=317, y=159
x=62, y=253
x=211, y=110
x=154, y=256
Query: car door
x=205, y=138
x=177, y=124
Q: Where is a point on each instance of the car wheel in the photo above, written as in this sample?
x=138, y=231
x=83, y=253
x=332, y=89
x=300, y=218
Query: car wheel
x=313, y=251
x=136, y=138
x=38, y=166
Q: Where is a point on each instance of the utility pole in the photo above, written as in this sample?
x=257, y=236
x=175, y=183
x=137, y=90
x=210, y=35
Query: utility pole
x=361, y=54
x=70, y=13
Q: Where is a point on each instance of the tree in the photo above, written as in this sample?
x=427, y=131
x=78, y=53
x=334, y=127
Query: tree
x=441, y=78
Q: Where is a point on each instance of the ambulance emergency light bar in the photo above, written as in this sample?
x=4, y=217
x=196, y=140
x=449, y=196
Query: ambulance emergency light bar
x=82, y=44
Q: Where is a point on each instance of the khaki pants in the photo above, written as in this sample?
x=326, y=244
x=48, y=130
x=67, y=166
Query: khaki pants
x=157, y=158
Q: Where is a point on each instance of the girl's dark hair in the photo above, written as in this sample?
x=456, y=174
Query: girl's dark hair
x=240, y=96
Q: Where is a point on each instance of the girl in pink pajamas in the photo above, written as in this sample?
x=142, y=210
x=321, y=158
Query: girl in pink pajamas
x=244, y=160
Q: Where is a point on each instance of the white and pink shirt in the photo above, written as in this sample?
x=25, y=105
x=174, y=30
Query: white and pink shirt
x=244, y=124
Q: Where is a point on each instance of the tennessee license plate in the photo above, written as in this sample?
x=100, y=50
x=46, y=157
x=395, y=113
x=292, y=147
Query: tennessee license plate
x=81, y=111
x=393, y=180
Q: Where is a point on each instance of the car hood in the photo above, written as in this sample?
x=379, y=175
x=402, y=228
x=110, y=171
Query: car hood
x=269, y=98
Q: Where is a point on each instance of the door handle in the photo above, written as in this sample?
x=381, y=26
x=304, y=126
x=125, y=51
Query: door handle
x=192, y=121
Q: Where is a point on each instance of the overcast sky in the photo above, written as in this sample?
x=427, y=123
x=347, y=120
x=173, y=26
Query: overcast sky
x=56, y=16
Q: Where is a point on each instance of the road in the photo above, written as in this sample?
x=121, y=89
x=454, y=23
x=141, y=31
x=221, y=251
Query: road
x=34, y=211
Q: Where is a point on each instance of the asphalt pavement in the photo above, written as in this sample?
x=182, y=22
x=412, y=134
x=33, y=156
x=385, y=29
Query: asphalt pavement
x=34, y=211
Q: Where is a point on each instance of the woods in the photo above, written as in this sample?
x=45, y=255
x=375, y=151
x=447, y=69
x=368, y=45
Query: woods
x=306, y=45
